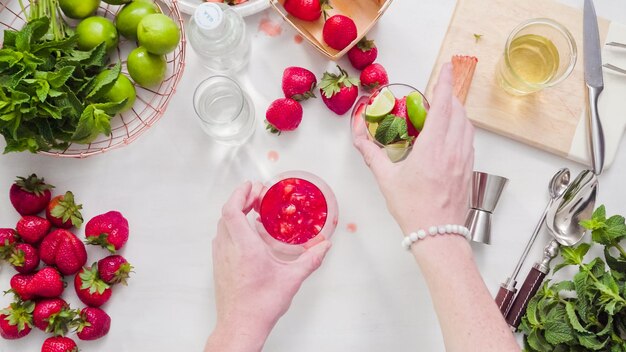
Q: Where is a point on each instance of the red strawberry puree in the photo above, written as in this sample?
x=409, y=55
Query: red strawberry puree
x=294, y=211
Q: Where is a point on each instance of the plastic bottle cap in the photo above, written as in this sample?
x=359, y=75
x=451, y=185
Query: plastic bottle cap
x=208, y=16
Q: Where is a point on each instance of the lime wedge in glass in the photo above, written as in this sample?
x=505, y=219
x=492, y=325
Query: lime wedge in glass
x=381, y=106
x=397, y=151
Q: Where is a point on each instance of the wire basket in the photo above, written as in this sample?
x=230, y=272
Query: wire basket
x=150, y=104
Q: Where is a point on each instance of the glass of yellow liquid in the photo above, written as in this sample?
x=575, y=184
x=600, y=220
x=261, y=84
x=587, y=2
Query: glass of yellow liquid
x=539, y=53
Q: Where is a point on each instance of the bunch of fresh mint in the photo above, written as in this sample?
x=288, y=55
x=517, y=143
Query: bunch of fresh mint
x=51, y=93
x=587, y=313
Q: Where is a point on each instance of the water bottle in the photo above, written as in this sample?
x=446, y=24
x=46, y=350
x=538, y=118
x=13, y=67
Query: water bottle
x=218, y=35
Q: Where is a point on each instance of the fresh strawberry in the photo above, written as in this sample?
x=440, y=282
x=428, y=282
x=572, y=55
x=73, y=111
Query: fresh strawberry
x=90, y=288
x=307, y=10
x=109, y=230
x=374, y=76
x=7, y=239
x=298, y=83
x=64, y=250
x=24, y=258
x=284, y=114
x=53, y=316
x=363, y=54
x=46, y=283
x=400, y=110
x=63, y=212
x=114, y=269
x=19, y=286
x=339, y=31
x=32, y=228
x=16, y=321
x=94, y=324
x=339, y=91
x=30, y=195
x=59, y=344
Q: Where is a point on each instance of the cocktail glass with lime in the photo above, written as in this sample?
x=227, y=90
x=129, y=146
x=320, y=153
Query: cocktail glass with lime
x=392, y=117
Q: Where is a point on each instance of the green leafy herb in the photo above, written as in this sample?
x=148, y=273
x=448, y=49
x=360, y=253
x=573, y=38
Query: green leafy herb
x=587, y=313
x=392, y=129
x=51, y=93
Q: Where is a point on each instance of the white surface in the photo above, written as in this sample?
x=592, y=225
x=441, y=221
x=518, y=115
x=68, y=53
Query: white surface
x=369, y=295
x=611, y=104
x=245, y=9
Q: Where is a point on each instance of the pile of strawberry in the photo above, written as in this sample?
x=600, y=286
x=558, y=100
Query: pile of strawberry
x=49, y=240
x=339, y=90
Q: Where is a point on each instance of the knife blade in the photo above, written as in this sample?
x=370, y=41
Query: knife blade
x=595, y=84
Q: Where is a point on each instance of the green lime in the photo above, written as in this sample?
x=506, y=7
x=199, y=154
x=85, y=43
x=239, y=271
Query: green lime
x=146, y=69
x=129, y=17
x=397, y=151
x=381, y=106
x=158, y=33
x=79, y=9
x=94, y=30
x=416, y=110
x=122, y=89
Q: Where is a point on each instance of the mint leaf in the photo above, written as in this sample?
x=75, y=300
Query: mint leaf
x=573, y=318
x=591, y=342
x=574, y=255
x=104, y=81
x=531, y=312
x=391, y=129
x=558, y=329
x=537, y=342
x=58, y=78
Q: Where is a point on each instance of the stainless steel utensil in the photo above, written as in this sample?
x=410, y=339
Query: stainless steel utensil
x=563, y=223
x=595, y=84
x=556, y=187
x=616, y=44
x=486, y=192
x=615, y=68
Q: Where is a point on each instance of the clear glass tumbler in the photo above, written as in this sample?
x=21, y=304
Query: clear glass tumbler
x=360, y=127
x=297, y=210
x=225, y=111
x=538, y=54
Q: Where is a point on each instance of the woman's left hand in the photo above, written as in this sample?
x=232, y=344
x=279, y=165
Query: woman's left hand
x=253, y=288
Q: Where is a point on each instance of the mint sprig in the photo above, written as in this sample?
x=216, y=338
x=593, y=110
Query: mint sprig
x=392, y=129
x=587, y=312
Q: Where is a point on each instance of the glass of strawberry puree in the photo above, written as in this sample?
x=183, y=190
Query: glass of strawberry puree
x=296, y=210
x=401, y=100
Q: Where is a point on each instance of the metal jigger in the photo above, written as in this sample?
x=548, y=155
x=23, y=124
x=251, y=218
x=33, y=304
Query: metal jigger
x=486, y=191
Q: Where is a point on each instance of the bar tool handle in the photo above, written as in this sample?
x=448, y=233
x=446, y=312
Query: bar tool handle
x=504, y=298
x=529, y=289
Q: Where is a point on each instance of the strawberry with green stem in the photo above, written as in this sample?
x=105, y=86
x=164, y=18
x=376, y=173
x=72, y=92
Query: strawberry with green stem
x=93, y=324
x=63, y=212
x=46, y=283
x=90, y=288
x=109, y=230
x=54, y=316
x=8, y=237
x=298, y=83
x=284, y=114
x=16, y=321
x=114, y=269
x=24, y=258
x=363, y=54
x=307, y=10
x=339, y=91
x=30, y=195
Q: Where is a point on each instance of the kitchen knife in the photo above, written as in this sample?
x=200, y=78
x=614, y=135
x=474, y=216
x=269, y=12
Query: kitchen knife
x=595, y=84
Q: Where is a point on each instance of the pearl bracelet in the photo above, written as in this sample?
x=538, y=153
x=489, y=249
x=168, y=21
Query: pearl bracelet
x=413, y=237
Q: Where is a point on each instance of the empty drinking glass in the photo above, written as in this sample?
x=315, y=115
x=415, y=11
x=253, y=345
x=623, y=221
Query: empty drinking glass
x=226, y=112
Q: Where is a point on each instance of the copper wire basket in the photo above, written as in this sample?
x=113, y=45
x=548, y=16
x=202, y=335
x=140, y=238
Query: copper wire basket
x=150, y=104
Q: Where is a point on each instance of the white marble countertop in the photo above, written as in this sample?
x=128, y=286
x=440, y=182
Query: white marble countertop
x=171, y=183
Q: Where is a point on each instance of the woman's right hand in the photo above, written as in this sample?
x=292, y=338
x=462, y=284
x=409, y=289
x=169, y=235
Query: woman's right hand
x=431, y=186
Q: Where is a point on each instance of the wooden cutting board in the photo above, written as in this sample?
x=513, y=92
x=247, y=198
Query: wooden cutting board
x=552, y=119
